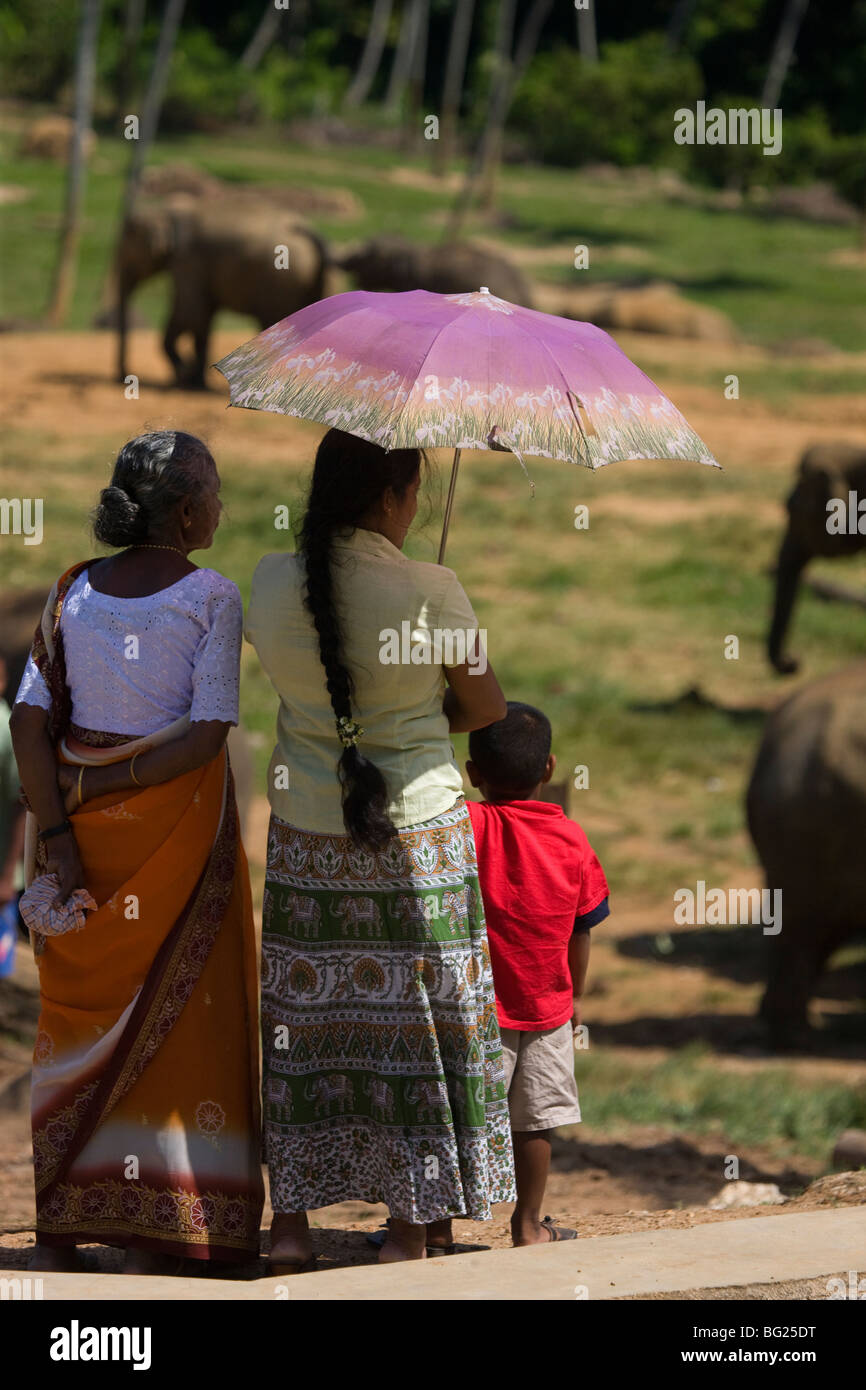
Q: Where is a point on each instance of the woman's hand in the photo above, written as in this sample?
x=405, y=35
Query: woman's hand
x=65, y=862
x=67, y=781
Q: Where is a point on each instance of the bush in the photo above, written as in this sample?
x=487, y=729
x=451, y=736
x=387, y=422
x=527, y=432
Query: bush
x=620, y=109
x=37, y=48
x=205, y=84
x=308, y=85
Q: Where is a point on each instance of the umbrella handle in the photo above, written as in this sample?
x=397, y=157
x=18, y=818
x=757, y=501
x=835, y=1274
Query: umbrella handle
x=448, y=505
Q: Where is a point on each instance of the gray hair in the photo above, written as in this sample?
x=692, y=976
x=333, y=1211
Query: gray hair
x=151, y=475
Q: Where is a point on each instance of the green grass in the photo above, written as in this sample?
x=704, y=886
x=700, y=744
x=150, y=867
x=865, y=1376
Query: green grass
x=689, y=1091
x=765, y=274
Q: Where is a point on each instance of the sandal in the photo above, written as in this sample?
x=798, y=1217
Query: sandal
x=377, y=1240
x=557, y=1232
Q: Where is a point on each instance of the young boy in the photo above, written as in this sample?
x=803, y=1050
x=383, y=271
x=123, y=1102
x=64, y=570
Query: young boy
x=543, y=888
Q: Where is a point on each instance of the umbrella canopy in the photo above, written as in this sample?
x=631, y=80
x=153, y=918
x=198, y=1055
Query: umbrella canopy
x=469, y=371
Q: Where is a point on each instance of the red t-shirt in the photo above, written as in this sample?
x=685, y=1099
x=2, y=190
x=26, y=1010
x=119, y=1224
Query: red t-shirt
x=539, y=876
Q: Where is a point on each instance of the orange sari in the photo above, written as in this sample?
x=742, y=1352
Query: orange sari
x=145, y=1078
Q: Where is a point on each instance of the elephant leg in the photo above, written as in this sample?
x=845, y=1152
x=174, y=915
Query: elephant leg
x=173, y=330
x=793, y=557
x=201, y=336
x=795, y=960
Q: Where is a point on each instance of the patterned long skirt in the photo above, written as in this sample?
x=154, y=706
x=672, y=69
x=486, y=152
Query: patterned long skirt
x=383, y=1077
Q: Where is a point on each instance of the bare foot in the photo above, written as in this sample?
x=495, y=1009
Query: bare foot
x=405, y=1242
x=439, y=1234
x=50, y=1259
x=151, y=1263
x=291, y=1245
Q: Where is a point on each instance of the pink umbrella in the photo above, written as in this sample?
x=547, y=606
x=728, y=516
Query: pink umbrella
x=467, y=371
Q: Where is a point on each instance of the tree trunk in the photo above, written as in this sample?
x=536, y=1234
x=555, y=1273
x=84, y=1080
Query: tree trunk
x=132, y=25
x=481, y=177
x=403, y=56
x=359, y=88
x=586, y=38
x=783, y=52
x=416, y=77
x=171, y=18
x=455, y=71
x=680, y=16
x=266, y=31
x=152, y=100
x=85, y=77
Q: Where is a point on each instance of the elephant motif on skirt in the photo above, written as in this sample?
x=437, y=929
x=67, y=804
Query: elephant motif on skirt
x=356, y=912
x=431, y=1098
x=381, y=1096
x=302, y=913
x=323, y=1090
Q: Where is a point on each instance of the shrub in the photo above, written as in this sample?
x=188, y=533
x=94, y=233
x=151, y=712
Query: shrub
x=620, y=109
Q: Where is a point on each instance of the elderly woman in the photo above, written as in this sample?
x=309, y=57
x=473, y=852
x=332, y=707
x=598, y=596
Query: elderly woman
x=382, y=1060
x=145, y=1076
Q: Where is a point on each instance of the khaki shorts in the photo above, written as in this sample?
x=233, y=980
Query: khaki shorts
x=539, y=1074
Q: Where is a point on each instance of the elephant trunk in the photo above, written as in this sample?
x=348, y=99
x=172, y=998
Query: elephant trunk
x=793, y=557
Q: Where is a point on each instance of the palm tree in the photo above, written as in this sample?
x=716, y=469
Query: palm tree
x=455, y=70
x=783, y=52
x=153, y=97
x=359, y=88
x=85, y=77
x=481, y=176
x=417, y=70
x=171, y=18
x=133, y=20
x=265, y=32
x=404, y=55
x=586, y=39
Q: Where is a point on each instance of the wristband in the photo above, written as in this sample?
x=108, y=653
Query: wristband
x=61, y=829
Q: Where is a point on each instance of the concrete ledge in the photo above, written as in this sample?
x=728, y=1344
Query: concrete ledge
x=722, y=1254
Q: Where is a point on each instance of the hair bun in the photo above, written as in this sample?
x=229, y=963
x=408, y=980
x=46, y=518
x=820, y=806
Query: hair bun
x=119, y=520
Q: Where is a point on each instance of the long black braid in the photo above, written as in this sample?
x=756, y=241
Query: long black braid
x=349, y=478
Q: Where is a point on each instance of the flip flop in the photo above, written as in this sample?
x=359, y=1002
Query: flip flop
x=558, y=1232
x=377, y=1240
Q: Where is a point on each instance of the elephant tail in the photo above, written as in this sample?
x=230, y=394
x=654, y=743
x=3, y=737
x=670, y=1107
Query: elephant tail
x=326, y=262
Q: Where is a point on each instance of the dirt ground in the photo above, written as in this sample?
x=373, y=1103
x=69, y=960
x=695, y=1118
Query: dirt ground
x=57, y=385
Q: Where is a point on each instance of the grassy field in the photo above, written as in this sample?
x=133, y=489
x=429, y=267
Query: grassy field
x=767, y=275
x=608, y=629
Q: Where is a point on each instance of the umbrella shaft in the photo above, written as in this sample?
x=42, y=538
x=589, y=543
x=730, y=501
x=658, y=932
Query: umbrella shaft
x=448, y=505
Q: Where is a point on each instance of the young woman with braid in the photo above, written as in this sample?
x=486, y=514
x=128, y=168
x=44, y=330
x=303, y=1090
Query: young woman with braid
x=383, y=1077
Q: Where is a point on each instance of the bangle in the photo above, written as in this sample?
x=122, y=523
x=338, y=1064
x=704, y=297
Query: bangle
x=61, y=829
x=80, y=778
x=132, y=767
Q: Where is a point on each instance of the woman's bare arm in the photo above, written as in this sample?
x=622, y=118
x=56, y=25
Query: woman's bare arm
x=37, y=768
x=199, y=745
x=474, y=698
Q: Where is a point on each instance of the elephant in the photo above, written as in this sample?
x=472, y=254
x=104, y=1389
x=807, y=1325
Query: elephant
x=220, y=255
x=826, y=471
x=806, y=808
x=394, y=264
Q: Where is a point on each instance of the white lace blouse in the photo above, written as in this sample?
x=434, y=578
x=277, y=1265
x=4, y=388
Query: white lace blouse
x=134, y=665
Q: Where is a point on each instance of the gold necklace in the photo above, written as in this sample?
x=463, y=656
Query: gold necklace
x=148, y=545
